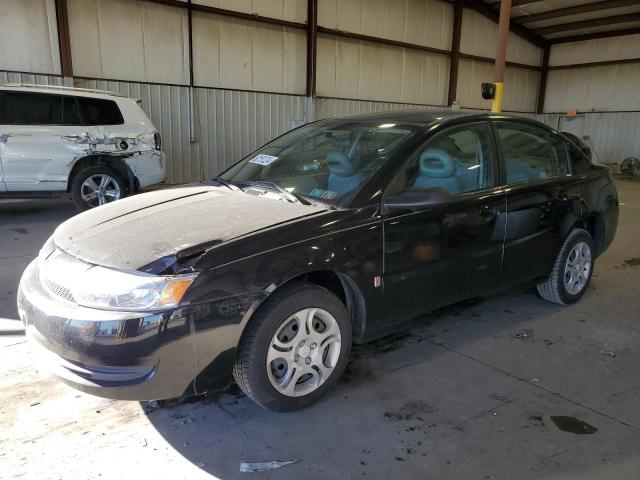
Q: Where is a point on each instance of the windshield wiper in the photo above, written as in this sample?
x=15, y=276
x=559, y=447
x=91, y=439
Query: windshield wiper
x=222, y=181
x=290, y=196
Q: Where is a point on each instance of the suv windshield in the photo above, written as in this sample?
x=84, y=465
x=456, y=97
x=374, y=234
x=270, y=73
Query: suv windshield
x=326, y=162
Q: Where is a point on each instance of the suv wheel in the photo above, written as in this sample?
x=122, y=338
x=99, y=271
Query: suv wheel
x=95, y=186
x=294, y=349
x=572, y=271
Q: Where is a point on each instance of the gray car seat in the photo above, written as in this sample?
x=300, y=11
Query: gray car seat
x=343, y=176
x=438, y=170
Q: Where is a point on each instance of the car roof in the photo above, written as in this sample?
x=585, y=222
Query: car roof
x=428, y=116
x=60, y=90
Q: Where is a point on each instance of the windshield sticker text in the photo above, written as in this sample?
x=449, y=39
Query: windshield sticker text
x=319, y=193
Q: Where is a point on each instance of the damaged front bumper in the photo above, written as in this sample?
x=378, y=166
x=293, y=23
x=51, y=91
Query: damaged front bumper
x=127, y=356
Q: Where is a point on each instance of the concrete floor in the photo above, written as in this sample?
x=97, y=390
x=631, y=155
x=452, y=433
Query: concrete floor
x=468, y=395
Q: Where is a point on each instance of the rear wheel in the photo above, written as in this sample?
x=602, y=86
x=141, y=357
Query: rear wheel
x=572, y=271
x=295, y=348
x=95, y=186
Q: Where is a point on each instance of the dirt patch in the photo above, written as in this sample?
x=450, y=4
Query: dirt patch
x=632, y=261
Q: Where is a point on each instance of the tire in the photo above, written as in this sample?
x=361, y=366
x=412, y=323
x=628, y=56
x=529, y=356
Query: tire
x=114, y=189
x=266, y=382
x=558, y=288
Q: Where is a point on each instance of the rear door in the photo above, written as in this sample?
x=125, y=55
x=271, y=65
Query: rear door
x=41, y=135
x=542, y=197
x=449, y=249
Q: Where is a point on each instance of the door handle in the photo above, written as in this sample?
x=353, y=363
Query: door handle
x=487, y=211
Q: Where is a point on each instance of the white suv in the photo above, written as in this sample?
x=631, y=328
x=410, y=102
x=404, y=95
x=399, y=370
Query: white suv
x=98, y=146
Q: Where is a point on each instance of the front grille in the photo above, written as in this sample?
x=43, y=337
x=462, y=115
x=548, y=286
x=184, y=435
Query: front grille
x=57, y=290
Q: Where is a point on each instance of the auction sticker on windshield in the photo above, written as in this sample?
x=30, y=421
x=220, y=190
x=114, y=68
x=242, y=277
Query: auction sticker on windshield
x=263, y=160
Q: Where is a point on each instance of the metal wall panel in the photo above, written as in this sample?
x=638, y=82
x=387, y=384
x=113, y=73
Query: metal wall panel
x=29, y=36
x=613, y=87
x=129, y=39
x=232, y=53
x=520, y=86
x=363, y=70
x=291, y=10
x=599, y=50
x=30, y=78
x=337, y=107
x=423, y=22
x=479, y=37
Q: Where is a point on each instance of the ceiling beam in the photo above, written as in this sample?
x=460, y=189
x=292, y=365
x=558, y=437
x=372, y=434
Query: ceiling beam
x=520, y=30
x=575, y=10
x=595, y=35
x=595, y=22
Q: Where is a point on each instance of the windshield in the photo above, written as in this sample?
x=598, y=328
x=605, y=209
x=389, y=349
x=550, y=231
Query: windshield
x=325, y=162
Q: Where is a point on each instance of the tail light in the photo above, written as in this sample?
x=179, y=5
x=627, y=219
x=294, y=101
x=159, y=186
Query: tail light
x=158, y=140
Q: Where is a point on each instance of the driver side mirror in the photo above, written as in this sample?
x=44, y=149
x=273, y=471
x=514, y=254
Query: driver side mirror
x=416, y=198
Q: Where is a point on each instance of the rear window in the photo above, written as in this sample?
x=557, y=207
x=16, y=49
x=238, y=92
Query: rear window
x=531, y=152
x=26, y=108
x=96, y=111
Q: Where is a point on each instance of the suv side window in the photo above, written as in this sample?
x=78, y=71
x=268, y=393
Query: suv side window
x=96, y=111
x=454, y=162
x=26, y=108
x=531, y=152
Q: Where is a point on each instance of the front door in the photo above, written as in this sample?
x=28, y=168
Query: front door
x=448, y=248
x=41, y=135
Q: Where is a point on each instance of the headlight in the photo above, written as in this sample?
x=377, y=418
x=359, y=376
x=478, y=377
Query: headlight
x=104, y=288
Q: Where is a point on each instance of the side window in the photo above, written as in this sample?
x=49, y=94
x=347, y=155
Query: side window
x=96, y=111
x=579, y=162
x=25, y=108
x=531, y=153
x=454, y=162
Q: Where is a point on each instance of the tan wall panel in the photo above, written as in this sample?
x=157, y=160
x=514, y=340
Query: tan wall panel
x=241, y=54
x=292, y=10
x=599, y=50
x=606, y=88
x=363, y=70
x=128, y=40
x=479, y=36
x=29, y=36
x=423, y=22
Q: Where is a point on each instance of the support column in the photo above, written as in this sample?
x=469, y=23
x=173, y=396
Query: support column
x=455, y=52
x=192, y=123
x=542, y=88
x=64, y=41
x=501, y=53
x=312, y=48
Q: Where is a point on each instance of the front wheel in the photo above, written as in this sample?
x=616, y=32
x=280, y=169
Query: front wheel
x=95, y=186
x=572, y=271
x=294, y=349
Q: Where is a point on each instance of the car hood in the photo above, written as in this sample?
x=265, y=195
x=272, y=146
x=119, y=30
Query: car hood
x=136, y=231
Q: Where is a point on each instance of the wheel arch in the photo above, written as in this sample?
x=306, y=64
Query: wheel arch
x=117, y=163
x=340, y=285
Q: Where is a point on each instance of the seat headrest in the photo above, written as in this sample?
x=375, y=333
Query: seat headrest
x=435, y=162
x=341, y=165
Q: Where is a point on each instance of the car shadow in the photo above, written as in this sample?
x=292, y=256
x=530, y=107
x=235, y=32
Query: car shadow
x=391, y=401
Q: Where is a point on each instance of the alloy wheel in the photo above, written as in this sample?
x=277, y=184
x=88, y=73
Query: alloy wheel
x=577, y=268
x=100, y=189
x=303, y=352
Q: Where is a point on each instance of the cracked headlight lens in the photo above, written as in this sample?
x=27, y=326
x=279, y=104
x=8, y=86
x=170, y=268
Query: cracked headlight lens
x=108, y=289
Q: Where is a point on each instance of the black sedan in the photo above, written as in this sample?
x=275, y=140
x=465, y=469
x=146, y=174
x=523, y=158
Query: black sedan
x=340, y=231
